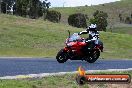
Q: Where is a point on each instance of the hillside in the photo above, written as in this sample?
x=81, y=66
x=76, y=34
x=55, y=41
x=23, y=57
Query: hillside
x=113, y=9
x=26, y=37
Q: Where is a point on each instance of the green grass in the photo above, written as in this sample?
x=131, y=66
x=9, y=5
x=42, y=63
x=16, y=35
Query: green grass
x=65, y=81
x=37, y=38
x=21, y=36
x=47, y=82
x=116, y=45
x=121, y=30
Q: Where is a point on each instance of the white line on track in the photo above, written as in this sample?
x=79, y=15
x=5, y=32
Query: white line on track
x=41, y=75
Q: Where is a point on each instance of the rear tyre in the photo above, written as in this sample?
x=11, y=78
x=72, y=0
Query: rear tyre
x=61, y=56
x=95, y=55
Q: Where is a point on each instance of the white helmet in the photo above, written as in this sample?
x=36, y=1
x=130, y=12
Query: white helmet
x=93, y=27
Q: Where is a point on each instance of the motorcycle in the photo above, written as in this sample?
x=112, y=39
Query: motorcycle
x=74, y=50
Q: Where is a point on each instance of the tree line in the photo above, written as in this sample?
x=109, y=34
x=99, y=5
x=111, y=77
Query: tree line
x=36, y=8
x=123, y=19
x=31, y=8
x=81, y=20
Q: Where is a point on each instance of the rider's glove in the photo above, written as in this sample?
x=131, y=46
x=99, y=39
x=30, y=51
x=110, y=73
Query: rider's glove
x=79, y=33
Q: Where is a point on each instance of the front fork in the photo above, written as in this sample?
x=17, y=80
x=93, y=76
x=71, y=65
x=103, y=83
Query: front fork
x=68, y=52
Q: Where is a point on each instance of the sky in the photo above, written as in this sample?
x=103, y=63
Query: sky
x=74, y=3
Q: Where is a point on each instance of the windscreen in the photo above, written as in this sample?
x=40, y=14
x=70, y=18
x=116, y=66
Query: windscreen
x=74, y=37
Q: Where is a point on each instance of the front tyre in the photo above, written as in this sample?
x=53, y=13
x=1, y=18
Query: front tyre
x=61, y=56
x=95, y=55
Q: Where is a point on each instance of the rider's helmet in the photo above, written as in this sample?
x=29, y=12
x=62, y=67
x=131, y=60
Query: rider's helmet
x=92, y=27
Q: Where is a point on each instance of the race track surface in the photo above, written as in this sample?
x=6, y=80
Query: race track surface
x=23, y=66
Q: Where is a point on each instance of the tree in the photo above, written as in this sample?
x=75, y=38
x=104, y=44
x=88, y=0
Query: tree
x=100, y=18
x=8, y=4
x=33, y=12
x=45, y=7
x=14, y=9
x=33, y=8
x=3, y=7
x=18, y=7
x=78, y=20
x=40, y=9
x=53, y=16
x=0, y=5
x=37, y=8
x=21, y=7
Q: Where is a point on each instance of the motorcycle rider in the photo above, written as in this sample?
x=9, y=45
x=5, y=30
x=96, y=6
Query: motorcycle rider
x=93, y=38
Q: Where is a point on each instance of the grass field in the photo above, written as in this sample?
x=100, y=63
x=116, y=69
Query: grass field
x=26, y=37
x=65, y=81
x=122, y=30
x=37, y=38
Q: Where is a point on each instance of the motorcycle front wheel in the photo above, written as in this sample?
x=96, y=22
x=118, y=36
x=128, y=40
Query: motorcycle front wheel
x=61, y=56
x=92, y=58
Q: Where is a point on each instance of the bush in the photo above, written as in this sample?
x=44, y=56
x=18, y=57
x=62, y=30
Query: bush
x=128, y=20
x=53, y=16
x=78, y=20
x=120, y=17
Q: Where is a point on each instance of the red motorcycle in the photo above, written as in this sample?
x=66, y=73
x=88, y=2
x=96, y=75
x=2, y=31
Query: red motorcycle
x=74, y=50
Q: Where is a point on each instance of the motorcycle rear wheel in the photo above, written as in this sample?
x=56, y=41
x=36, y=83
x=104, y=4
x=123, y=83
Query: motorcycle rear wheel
x=95, y=55
x=61, y=56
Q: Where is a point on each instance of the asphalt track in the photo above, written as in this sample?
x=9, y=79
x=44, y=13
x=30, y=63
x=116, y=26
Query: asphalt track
x=24, y=66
